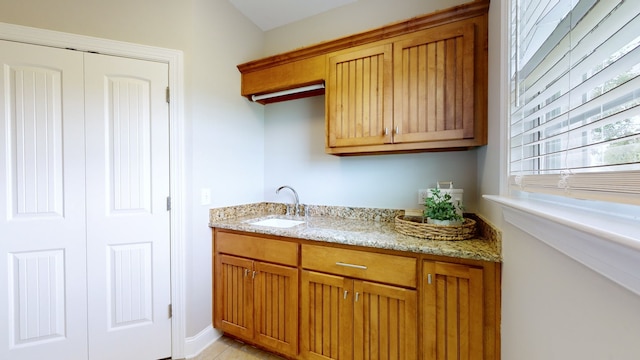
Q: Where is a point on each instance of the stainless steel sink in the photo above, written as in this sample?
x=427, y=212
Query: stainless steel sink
x=278, y=223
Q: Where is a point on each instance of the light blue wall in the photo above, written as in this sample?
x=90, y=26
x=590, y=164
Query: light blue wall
x=294, y=130
x=294, y=155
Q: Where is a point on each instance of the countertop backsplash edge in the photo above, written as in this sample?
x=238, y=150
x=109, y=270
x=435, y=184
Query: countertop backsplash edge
x=373, y=227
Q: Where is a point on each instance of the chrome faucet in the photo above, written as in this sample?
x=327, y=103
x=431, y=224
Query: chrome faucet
x=297, y=210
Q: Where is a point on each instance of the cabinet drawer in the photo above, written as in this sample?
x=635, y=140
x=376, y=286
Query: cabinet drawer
x=391, y=269
x=257, y=248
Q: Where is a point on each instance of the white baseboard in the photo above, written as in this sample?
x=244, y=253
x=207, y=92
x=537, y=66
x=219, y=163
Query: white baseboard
x=196, y=344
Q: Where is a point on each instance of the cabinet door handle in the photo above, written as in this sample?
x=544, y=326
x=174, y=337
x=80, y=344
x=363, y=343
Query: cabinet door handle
x=429, y=278
x=253, y=276
x=397, y=130
x=362, y=267
x=386, y=131
x=345, y=294
x=246, y=272
x=357, y=296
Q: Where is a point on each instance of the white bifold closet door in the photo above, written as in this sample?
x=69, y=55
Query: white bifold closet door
x=84, y=227
x=43, y=281
x=128, y=247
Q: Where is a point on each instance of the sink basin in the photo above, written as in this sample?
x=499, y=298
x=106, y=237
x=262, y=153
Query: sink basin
x=279, y=223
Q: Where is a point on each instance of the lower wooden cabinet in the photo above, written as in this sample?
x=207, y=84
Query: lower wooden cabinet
x=452, y=311
x=313, y=301
x=357, y=305
x=257, y=301
x=345, y=318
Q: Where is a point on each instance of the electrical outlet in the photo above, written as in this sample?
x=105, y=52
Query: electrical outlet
x=422, y=194
x=205, y=196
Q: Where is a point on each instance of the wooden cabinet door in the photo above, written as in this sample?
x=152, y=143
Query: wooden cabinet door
x=452, y=311
x=276, y=307
x=360, y=96
x=385, y=322
x=434, y=84
x=326, y=327
x=233, y=311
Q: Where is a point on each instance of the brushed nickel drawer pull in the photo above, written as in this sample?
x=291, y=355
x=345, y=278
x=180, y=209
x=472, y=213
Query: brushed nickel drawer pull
x=357, y=296
x=345, y=294
x=351, y=265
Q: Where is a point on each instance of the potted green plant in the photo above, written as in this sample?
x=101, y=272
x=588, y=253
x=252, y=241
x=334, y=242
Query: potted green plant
x=441, y=210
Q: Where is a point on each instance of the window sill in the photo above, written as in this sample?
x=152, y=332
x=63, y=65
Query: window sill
x=599, y=239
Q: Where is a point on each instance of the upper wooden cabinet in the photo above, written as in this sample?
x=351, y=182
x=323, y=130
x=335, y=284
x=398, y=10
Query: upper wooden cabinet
x=417, y=85
x=415, y=93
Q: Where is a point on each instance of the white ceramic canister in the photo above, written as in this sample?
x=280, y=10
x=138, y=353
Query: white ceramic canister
x=446, y=187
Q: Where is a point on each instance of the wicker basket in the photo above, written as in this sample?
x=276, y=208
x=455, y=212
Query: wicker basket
x=413, y=226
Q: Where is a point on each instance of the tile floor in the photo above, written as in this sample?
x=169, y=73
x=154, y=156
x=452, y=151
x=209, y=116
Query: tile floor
x=230, y=349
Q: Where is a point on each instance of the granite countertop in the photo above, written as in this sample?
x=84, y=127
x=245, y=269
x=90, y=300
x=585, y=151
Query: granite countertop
x=356, y=226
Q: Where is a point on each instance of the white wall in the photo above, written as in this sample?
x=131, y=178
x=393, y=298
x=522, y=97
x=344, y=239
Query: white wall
x=553, y=308
x=225, y=135
x=492, y=158
x=223, y=131
x=352, y=18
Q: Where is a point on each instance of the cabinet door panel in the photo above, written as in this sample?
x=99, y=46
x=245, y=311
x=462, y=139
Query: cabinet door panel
x=385, y=322
x=42, y=217
x=453, y=311
x=233, y=311
x=327, y=316
x=276, y=307
x=359, y=95
x=434, y=85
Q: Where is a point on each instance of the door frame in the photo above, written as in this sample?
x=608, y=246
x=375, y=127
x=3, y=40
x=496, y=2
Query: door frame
x=175, y=60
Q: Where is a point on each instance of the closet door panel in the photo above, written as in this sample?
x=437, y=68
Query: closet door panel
x=42, y=224
x=128, y=228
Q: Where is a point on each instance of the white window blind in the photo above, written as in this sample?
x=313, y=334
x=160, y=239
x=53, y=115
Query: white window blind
x=575, y=98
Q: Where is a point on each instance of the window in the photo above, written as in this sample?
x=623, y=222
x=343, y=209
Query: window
x=575, y=98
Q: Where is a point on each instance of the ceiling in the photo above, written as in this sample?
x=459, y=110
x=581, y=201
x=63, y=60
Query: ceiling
x=270, y=14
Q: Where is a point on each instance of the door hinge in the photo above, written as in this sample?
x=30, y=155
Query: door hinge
x=168, y=203
x=170, y=311
x=167, y=96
